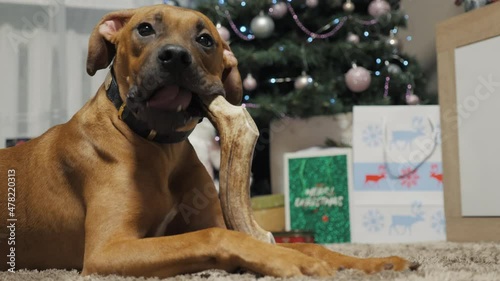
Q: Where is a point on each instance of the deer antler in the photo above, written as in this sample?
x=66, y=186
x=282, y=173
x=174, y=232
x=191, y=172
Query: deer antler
x=238, y=134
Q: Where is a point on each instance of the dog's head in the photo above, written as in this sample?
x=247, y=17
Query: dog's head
x=164, y=57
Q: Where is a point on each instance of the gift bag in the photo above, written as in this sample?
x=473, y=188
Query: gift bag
x=317, y=187
x=398, y=190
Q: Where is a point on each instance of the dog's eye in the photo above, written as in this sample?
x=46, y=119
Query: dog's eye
x=205, y=40
x=145, y=29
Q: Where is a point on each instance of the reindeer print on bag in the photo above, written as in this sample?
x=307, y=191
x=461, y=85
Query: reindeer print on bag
x=403, y=224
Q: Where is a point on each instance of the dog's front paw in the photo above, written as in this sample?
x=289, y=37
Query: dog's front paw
x=374, y=265
x=339, y=261
x=300, y=266
x=282, y=262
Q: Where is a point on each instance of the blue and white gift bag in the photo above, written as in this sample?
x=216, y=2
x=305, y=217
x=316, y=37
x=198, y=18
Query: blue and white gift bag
x=398, y=187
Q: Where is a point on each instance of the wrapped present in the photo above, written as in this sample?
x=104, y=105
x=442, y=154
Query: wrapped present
x=269, y=211
x=398, y=190
x=294, y=236
x=317, y=187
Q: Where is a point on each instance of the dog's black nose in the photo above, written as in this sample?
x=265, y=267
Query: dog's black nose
x=174, y=56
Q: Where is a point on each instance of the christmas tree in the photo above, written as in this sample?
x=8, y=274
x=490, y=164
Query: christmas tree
x=301, y=58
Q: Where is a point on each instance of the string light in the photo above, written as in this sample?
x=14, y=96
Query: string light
x=281, y=80
x=250, y=105
x=226, y=14
x=365, y=22
x=408, y=90
x=386, y=86
x=408, y=93
x=335, y=25
x=338, y=22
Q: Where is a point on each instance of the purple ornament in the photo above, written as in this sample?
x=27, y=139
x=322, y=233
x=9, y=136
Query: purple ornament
x=278, y=10
x=358, y=79
x=223, y=32
x=249, y=83
x=378, y=8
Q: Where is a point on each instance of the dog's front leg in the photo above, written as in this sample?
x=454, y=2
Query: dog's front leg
x=213, y=248
x=119, y=219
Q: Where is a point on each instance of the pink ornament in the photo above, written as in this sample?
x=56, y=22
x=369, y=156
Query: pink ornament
x=223, y=32
x=311, y=3
x=358, y=79
x=412, y=99
x=249, y=83
x=378, y=8
x=352, y=38
x=278, y=10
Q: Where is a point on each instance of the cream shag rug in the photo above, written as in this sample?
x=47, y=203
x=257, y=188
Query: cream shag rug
x=441, y=261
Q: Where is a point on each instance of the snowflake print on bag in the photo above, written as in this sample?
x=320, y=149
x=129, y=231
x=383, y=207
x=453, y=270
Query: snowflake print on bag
x=439, y=222
x=372, y=135
x=373, y=221
x=410, y=179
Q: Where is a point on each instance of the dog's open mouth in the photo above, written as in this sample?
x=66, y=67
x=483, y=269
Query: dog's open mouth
x=169, y=108
x=171, y=98
x=175, y=98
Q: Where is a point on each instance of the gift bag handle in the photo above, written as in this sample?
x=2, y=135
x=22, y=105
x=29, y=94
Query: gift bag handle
x=397, y=175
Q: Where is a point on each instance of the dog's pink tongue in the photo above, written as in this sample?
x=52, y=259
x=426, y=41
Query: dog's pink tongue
x=171, y=98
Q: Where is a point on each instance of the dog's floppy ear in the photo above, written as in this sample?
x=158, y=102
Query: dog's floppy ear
x=231, y=77
x=101, y=43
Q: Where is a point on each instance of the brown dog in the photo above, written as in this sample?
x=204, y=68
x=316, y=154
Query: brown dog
x=103, y=192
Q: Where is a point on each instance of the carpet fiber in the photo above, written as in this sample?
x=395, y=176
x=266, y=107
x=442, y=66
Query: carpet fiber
x=441, y=261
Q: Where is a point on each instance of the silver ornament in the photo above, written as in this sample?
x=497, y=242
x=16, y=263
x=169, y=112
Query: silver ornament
x=303, y=81
x=262, y=26
x=348, y=6
x=393, y=69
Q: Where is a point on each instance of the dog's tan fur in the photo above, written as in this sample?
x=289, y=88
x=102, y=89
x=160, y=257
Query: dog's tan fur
x=93, y=195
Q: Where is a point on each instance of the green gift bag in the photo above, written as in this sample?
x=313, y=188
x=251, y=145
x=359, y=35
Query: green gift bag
x=317, y=185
